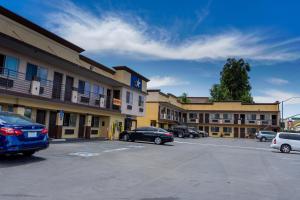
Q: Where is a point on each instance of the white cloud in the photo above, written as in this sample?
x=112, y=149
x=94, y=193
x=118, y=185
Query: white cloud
x=277, y=81
x=163, y=81
x=273, y=95
x=106, y=32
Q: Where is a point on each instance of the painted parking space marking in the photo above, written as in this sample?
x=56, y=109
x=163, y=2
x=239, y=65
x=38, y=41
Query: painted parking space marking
x=84, y=154
x=93, y=154
x=112, y=150
x=224, y=145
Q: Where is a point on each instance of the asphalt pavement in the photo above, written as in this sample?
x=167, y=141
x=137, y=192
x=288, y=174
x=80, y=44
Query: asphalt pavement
x=187, y=169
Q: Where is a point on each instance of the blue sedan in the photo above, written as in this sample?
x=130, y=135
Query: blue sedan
x=19, y=134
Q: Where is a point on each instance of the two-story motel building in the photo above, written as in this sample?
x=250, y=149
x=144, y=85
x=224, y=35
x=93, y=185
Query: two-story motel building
x=220, y=119
x=47, y=79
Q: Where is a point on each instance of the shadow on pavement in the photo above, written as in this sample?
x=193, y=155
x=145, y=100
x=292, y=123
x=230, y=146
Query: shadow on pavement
x=18, y=159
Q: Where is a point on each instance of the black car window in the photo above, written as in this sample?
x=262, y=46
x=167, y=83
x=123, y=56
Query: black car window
x=294, y=137
x=15, y=119
x=284, y=136
x=140, y=129
x=161, y=130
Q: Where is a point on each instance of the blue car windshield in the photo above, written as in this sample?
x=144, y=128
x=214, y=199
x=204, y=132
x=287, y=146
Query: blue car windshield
x=14, y=119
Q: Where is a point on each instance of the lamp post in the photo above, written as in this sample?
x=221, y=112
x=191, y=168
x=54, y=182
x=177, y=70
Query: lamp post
x=282, y=106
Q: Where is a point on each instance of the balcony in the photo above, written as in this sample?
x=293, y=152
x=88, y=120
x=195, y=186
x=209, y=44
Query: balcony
x=193, y=120
x=15, y=82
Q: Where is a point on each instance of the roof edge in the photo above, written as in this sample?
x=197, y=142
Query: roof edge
x=25, y=22
x=97, y=64
x=131, y=71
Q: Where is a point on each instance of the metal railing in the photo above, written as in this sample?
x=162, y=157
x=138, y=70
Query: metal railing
x=20, y=83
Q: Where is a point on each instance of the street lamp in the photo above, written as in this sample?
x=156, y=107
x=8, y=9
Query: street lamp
x=282, y=106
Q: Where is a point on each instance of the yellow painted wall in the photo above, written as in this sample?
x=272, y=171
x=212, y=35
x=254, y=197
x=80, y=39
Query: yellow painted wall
x=152, y=110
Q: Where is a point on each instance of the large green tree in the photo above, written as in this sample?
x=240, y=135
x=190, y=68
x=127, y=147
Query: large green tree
x=234, y=82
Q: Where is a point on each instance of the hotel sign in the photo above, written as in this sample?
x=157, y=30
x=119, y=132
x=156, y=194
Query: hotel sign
x=136, y=82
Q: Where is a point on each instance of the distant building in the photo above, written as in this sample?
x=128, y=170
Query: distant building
x=219, y=119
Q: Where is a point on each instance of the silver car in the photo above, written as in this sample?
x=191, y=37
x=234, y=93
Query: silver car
x=264, y=136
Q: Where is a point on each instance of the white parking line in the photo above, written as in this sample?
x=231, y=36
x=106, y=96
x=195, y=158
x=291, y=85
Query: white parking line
x=90, y=154
x=223, y=145
x=112, y=150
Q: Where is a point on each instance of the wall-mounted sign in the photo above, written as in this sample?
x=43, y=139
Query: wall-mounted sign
x=117, y=102
x=136, y=82
x=61, y=115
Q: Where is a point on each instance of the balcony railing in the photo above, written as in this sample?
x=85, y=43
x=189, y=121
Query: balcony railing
x=16, y=82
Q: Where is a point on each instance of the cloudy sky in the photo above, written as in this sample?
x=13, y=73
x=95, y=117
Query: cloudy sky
x=182, y=46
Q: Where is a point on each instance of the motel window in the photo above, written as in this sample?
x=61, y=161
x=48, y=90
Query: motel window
x=215, y=116
x=28, y=112
x=227, y=116
x=2, y=58
x=95, y=122
x=227, y=129
x=84, y=88
x=1, y=108
x=36, y=72
x=192, y=115
x=129, y=97
x=251, y=116
x=70, y=119
x=214, y=129
x=10, y=108
x=98, y=90
x=9, y=66
x=141, y=101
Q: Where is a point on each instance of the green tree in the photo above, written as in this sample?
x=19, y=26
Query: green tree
x=234, y=82
x=184, y=98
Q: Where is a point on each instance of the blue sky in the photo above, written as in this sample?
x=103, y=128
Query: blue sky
x=182, y=46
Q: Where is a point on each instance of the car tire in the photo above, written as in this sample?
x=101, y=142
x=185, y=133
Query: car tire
x=285, y=148
x=191, y=136
x=201, y=135
x=158, y=140
x=263, y=139
x=126, y=137
x=28, y=153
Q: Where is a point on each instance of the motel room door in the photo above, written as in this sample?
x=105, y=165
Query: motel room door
x=57, y=85
x=81, y=126
x=236, y=132
x=242, y=133
x=69, y=88
x=52, y=125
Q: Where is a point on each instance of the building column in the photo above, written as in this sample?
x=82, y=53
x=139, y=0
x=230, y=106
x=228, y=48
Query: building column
x=20, y=110
x=87, y=126
x=59, y=125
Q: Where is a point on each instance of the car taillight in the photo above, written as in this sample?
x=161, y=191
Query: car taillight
x=274, y=141
x=10, y=132
x=44, y=131
x=168, y=134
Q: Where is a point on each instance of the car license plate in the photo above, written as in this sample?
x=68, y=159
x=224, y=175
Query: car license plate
x=32, y=134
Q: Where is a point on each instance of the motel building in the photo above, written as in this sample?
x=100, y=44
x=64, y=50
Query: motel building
x=46, y=78
x=219, y=119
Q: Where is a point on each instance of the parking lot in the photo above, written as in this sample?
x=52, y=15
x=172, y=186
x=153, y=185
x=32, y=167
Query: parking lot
x=205, y=168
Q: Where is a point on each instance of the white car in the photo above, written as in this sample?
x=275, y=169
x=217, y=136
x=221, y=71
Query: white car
x=286, y=142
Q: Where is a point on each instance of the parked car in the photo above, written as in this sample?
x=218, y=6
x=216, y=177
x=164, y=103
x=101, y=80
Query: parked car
x=183, y=131
x=151, y=134
x=19, y=134
x=264, y=136
x=286, y=142
x=203, y=133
